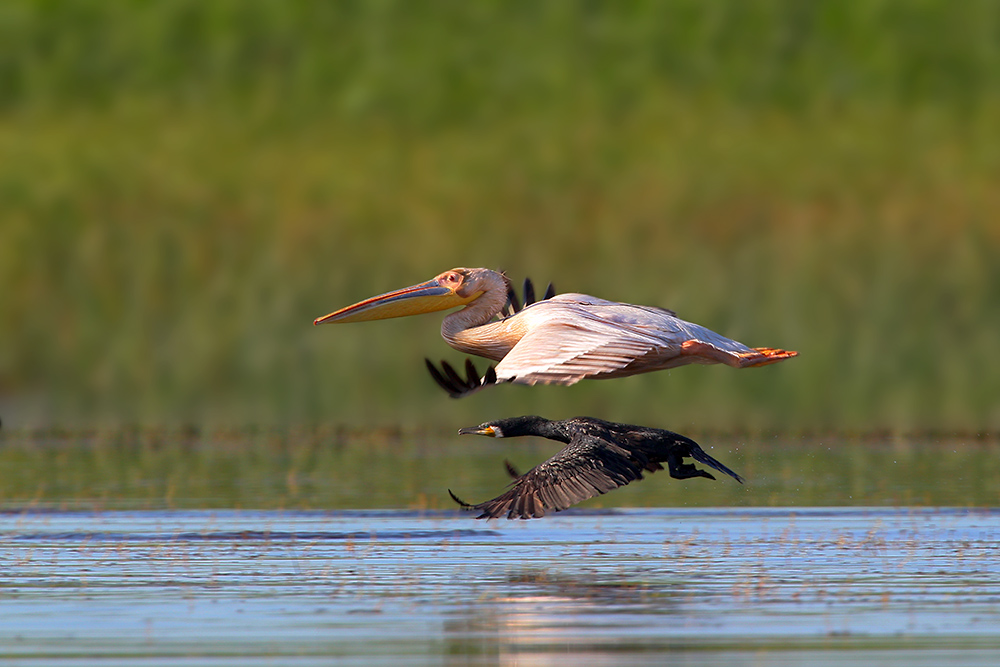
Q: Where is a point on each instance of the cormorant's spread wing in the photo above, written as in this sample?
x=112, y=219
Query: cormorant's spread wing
x=587, y=467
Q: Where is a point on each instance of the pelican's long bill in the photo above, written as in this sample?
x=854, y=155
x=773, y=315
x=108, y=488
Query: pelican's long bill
x=423, y=298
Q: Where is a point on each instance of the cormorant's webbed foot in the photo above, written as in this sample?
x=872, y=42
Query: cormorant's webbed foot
x=457, y=386
x=687, y=471
x=680, y=470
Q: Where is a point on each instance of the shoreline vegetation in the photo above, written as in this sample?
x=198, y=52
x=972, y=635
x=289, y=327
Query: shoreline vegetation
x=345, y=468
x=187, y=185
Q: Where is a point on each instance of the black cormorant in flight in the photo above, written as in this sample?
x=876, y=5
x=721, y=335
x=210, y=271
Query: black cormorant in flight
x=599, y=456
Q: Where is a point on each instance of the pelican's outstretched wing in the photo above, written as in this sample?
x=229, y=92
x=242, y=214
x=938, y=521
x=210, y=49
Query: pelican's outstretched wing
x=574, y=336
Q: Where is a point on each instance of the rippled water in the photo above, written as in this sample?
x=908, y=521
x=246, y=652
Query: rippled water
x=618, y=587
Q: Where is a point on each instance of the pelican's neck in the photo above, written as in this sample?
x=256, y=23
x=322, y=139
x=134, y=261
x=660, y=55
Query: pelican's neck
x=468, y=330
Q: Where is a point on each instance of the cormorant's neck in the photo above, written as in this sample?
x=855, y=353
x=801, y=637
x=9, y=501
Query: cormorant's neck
x=531, y=425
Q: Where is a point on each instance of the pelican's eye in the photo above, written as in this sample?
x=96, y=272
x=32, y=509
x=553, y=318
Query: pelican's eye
x=451, y=278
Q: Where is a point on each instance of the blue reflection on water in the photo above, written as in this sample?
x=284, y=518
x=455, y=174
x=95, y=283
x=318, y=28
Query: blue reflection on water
x=701, y=586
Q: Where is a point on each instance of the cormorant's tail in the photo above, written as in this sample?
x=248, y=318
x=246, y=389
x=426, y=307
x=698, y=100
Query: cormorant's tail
x=701, y=456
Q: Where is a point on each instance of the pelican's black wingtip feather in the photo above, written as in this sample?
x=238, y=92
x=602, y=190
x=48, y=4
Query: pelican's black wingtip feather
x=471, y=374
x=513, y=305
x=445, y=379
x=438, y=378
x=452, y=382
x=529, y=292
x=456, y=380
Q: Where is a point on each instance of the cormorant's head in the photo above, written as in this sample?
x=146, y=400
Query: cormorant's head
x=511, y=427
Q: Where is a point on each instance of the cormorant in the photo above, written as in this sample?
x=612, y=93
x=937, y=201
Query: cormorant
x=599, y=456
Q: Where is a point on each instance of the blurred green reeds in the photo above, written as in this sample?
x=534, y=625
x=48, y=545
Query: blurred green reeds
x=343, y=468
x=184, y=186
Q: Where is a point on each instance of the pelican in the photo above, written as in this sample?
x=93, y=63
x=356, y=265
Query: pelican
x=559, y=340
x=599, y=456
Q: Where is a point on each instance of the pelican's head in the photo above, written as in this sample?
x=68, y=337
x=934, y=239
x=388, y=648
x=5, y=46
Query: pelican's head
x=457, y=287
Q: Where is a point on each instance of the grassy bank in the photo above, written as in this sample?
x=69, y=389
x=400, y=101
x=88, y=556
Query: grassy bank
x=185, y=188
x=338, y=468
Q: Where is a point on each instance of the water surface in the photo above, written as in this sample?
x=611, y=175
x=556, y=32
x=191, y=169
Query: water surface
x=901, y=586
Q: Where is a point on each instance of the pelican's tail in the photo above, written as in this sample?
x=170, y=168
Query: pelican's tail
x=762, y=356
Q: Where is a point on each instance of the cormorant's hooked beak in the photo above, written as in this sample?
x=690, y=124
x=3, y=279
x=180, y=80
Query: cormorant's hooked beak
x=479, y=430
x=423, y=298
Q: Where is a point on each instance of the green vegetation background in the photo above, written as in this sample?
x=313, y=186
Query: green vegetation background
x=185, y=185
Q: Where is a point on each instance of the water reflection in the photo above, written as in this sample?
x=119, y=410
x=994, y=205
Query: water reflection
x=548, y=619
